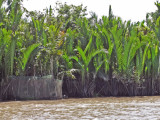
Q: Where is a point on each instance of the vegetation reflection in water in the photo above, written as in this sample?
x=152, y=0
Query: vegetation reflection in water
x=87, y=108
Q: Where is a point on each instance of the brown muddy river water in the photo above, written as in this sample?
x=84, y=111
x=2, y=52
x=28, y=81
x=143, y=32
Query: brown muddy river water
x=111, y=108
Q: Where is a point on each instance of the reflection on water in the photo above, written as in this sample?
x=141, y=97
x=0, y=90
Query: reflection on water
x=92, y=108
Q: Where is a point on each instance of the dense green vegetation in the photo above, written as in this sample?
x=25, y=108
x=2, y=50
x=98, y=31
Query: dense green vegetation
x=93, y=57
